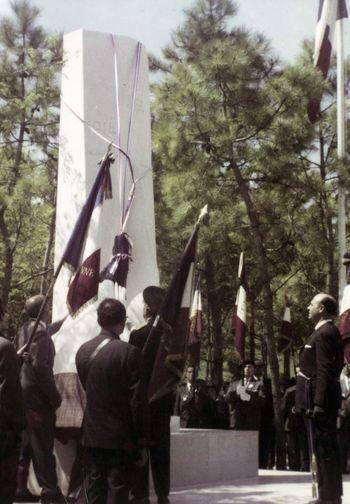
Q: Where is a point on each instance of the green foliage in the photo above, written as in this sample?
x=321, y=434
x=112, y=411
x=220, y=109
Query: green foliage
x=29, y=99
x=225, y=101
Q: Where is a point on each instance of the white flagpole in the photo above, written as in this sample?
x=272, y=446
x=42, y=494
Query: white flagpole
x=341, y=153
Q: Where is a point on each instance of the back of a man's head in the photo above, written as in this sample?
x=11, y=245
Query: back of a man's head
x=329, y=303
x=111, y=312
x=33, y=305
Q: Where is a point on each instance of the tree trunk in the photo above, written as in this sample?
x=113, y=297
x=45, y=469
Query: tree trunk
x=215, y=310
x=262, y=263
x=286, y=366
x=43, y=283
x=7, y=260
x=252, y=332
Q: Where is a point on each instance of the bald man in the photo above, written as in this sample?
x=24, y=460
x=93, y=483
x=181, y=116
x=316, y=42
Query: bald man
x=318, y=394
x=41, y=399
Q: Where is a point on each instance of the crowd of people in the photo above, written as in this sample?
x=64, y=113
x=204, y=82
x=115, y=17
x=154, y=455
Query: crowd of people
x=123, y=436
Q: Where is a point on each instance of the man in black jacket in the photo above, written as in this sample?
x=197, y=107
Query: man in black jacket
x=12, y=419
x=159, y=411
x=114, y=426
x=318, y=394
x=41, y=399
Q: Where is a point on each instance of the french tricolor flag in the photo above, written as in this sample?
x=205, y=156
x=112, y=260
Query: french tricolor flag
x=83, y=251
x=328, y=13
x=286, y=336
x=240, y=315
x=196, y=325
x=344, y=311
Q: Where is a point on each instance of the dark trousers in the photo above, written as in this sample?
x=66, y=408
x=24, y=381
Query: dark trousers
x=108, y=476
x=329, y=474
x=37, y=445
x=8, y=470
x=344, y=442
x=159, y=457
x=266, y=447
x=297, y=450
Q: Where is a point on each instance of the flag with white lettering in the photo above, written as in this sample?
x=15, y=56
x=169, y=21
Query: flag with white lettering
x=328, y=13
x=83, y=251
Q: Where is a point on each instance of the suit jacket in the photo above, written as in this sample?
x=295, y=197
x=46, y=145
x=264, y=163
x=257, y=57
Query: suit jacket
x=115, y=415
x=12, y=418
x=321, y=360
x=37, y=380
x=159, y=411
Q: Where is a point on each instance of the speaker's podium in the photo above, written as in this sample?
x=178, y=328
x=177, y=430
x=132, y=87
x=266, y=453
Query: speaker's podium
x=211, y=456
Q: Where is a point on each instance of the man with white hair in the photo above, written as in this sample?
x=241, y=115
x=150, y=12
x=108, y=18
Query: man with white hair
x=318, y=395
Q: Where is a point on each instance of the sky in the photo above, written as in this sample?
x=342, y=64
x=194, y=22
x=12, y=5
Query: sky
x=286, y=23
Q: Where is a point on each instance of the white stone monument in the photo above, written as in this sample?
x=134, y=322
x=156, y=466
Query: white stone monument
x=104, y=98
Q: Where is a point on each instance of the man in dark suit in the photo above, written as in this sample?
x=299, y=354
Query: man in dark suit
x=187, y=400
x=318, y=395
x=41, y=399
x=114, y=426
x=159, y=411
x=12, y=419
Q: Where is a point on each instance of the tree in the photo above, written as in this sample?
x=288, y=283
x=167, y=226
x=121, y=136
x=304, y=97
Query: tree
x=231, y=129
x=30, y=60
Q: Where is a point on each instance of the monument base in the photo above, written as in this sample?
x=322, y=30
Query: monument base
x=210, y=456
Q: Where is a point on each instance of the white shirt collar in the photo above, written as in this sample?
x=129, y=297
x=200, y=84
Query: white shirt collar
x=321, y=322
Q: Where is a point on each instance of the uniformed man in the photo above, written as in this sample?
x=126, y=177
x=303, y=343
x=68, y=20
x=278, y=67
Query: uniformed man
x=159, y=411
x=250, y=398
x=186, y=401
x=41, y=399
x=12, y=418
x=267, y=427
x=295, y=432
x=318, y=395
x=114, y=426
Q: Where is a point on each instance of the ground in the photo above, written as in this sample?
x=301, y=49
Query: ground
x=271, y=487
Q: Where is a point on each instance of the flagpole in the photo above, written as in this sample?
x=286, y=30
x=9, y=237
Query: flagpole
x=341, y=153
x=25, y=347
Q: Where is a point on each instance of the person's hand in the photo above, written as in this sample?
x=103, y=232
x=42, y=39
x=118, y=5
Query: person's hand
x=317, y=411
x=141, y=457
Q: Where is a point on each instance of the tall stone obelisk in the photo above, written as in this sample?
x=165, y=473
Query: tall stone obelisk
x=98, y=85
x=104, y=98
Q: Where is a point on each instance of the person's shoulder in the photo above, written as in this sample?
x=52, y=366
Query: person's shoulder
x=139, y=330
x=329, y=329
x=5, y=344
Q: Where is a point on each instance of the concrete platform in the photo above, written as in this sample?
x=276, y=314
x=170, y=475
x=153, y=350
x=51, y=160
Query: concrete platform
x=271, y=487
x=208, y=456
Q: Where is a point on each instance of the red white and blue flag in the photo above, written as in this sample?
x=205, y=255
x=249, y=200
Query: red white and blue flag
x=83, y=250
x=196, y=325
x=239, y=319
x=344, y=311
x=175, y=311
x=285, y=339
x=329, y=12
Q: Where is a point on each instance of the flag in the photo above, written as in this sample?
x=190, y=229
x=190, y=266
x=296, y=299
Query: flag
x=286, y=336
x=196, y=325
x=83, y=250
x=344, y=311
x=328, y=13
x=239, y=319
x=118, y=267
x=175, y=311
